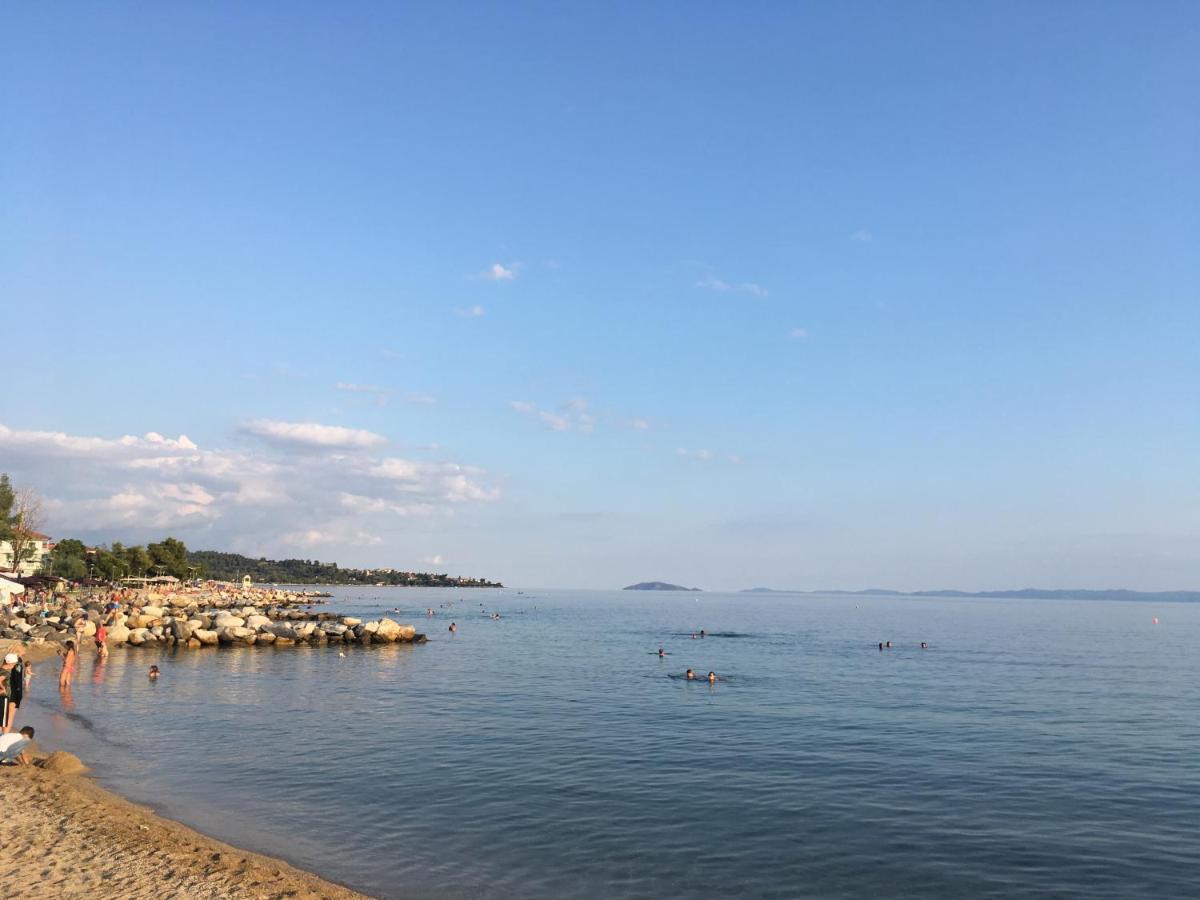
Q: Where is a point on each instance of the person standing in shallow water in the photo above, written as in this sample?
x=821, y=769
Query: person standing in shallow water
x=68, y=667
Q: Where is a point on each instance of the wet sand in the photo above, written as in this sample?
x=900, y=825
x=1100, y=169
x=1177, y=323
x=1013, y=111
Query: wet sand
x=63, y=836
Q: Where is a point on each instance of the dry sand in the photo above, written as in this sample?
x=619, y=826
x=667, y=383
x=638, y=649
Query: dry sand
x=62, y=836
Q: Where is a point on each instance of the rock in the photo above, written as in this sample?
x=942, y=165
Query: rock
x=145, y=621
x=118, y=634
x=89, y=628
x=226, y=620
x=350, y=621
x=193, y=644
x=180, y=629
x=205, y=637
x=63, y=763
x=157, y=631
x=265, y=637
x=154, y=612
x=138, y=636
x=332, y=628
x=394, y=631
x=282, y=630
x=257, y=621
x=283, y=641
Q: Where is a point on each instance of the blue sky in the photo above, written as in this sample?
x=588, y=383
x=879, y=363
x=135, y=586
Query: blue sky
x=821, y=295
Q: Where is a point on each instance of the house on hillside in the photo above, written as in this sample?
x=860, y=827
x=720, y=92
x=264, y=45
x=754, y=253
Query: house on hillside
x=39, y=545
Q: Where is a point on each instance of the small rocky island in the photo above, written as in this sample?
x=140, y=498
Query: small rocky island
x=658, y=586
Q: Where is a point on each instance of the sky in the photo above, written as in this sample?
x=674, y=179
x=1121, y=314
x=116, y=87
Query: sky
x=803, y=295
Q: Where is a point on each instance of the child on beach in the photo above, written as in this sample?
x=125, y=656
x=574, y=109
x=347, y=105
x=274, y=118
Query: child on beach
x=68, y=667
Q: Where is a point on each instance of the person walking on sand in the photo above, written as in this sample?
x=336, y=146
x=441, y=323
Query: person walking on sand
x=68, y=667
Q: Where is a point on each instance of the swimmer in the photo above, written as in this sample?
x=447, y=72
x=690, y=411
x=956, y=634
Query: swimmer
x=690, y=676
x=153, y=672
x=924, y=646
x=695, y=636
x=701, y=632
x=453, y=627
x=712, y=677
x=888, y=645
x=881, y=646
x=661, y=652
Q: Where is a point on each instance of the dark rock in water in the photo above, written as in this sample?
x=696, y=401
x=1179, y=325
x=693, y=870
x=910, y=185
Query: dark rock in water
x=420, y=639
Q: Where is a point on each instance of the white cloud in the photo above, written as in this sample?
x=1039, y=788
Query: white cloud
x=436, y=560
x=703, y=455
x=798, y=334
x=862, y=236
x=639, y=424
x=420, y=399
x=470, y=312
x=725, y=287
x=500, y=272
x=309, y=434
x=267, y=498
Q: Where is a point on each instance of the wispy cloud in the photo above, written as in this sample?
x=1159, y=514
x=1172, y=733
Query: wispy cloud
x=639, y=424
x=378, y=394
x=311, y=434
x=798, y=334
x=500, y=272
x=725, y=287
x=420, y=399
x=470, y=312
x=862, y=236
x=571, y=416
x=704, y=455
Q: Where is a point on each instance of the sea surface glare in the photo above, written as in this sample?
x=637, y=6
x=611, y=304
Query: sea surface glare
x=1042, y=748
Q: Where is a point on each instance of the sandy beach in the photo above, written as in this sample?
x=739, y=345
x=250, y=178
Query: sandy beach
x=62, y=836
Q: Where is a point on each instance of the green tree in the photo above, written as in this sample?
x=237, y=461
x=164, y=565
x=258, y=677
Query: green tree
x=171, y=554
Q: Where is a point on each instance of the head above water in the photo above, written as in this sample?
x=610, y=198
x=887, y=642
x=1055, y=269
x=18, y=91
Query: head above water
x=712, y=676
x=690, y=674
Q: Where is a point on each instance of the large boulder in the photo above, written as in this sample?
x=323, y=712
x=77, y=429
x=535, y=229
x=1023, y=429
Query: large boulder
x=180, y=629
x=155, y=612
x=138, y=636
x=350, y=621
x=89, y=628
x=282, y=630
x=265, y=637
x=205, y=637
x=256, y=621
x=227, y=620
x=118, y=634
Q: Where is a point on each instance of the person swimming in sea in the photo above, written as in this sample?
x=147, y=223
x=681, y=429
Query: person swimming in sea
x=701, y=632
x=712, y=677
x=453, y=627
x=690, y=675
x=661, y=652
x=881, y=645
x=153, y=672
x=924, y=645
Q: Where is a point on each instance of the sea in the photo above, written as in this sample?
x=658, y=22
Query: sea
x=1045, y=748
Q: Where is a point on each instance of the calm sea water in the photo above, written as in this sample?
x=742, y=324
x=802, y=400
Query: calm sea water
x=1036, y=748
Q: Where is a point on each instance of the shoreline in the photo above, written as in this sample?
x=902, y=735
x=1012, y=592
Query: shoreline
x=67, y=836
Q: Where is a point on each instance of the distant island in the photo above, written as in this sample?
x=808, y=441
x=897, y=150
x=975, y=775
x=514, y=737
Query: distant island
x=658, y=586
x=1022, y=594
x=231, y=566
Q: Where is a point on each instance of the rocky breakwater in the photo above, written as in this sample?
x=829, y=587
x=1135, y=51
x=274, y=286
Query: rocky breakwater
x=194, y=622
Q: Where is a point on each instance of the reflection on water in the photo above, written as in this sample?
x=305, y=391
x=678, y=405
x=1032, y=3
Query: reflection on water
x=1036, y=747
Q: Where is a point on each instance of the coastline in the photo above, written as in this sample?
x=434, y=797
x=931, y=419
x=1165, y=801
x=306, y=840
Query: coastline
x=66, y=836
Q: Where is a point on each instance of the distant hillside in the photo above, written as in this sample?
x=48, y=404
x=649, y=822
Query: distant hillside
x=1023, y=594
x=233, y=566
x=658, y=586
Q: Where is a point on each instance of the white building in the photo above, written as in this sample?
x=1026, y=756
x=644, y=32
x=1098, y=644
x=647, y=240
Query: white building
x=39, y=545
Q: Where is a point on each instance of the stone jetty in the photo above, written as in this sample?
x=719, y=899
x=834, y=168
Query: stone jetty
x=196, y=619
